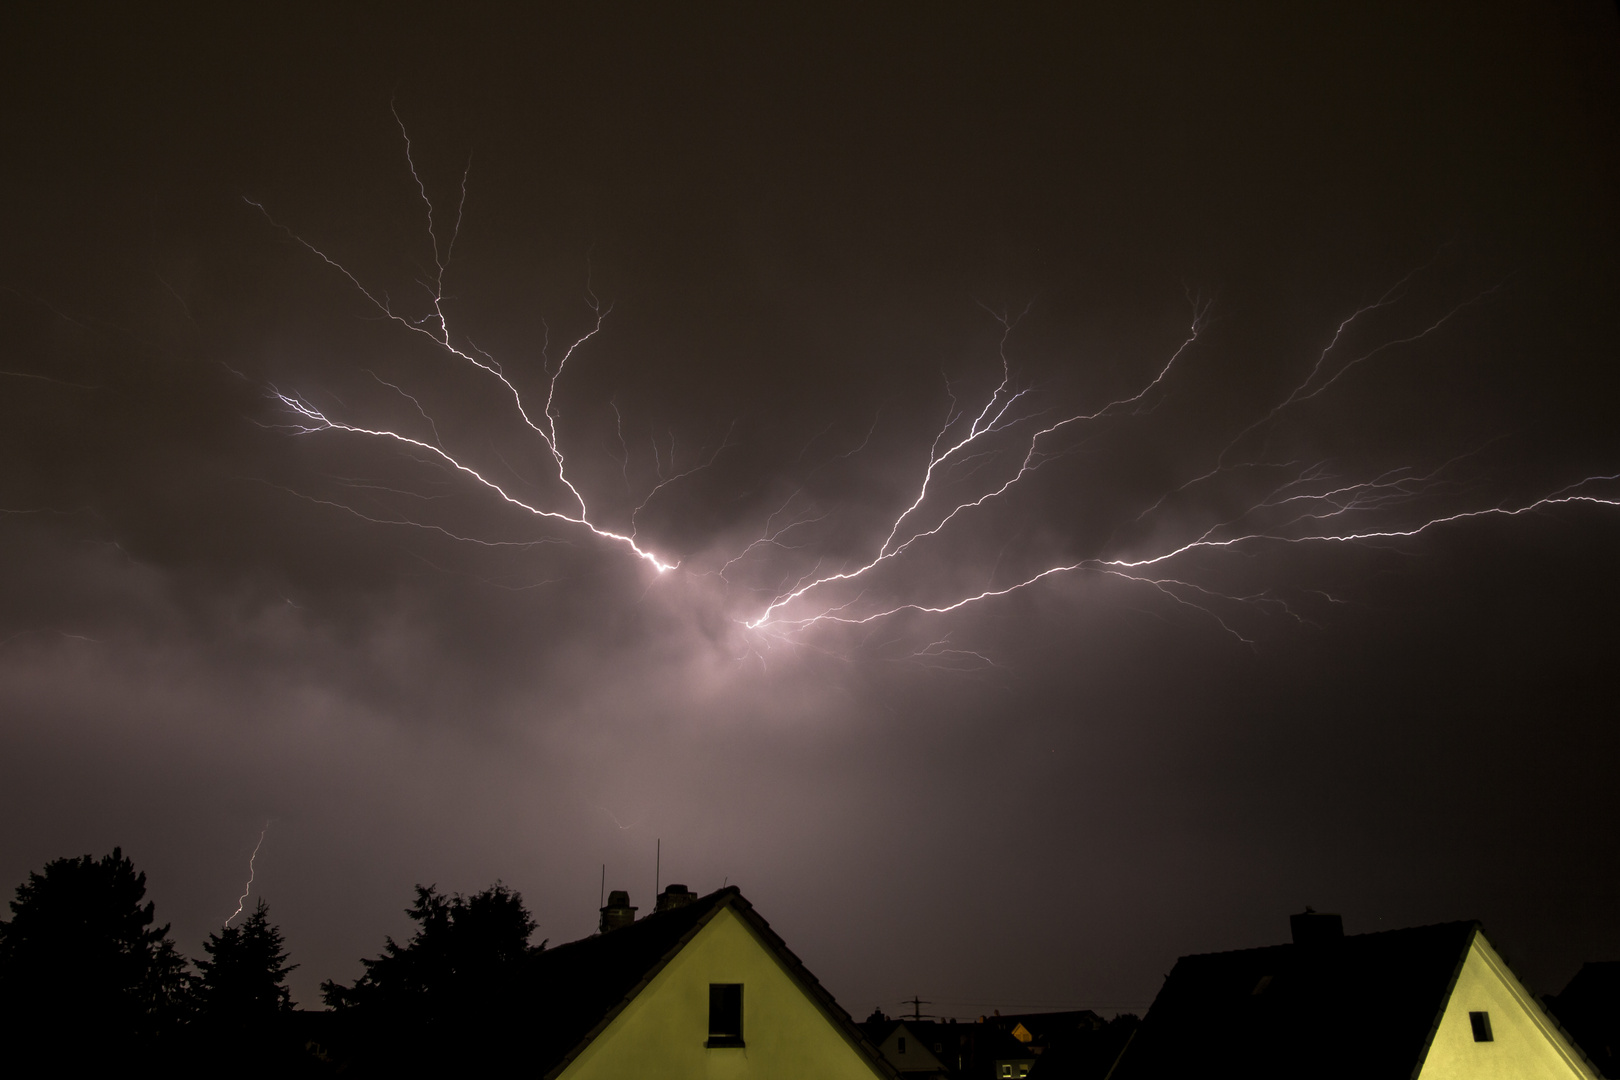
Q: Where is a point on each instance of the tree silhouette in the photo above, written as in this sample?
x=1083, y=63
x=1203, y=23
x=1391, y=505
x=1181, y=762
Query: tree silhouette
x=243, y=980
x=461, y=947
x=243, y=1023
x=451, y=992
x=80, y=958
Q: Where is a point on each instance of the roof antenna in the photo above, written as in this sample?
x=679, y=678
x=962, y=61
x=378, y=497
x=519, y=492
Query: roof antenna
x=658, y=867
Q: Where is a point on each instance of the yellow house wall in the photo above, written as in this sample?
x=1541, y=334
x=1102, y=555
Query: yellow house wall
x=661, y=1033
x=1525, y=1044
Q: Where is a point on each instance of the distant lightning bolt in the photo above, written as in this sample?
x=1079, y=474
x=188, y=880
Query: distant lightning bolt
x=241, y=901
x=1309, y=388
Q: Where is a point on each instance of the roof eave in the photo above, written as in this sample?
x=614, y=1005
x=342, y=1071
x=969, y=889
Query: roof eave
x=652, y=973
x=1445, y=999
x=829, y=1005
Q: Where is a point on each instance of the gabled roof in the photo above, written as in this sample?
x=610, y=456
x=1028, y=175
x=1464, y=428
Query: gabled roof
x=940, y=1042
x=876, y=1031
x=581, y=987
x=1364, y=1006
x=964, y=1049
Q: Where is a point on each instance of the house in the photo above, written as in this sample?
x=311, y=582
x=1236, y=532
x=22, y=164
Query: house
x=1426, y=1003
x=1038, y=1031
x=917, y=1049
x=1009, y=1057
x=944, y=1050
x=700, y=988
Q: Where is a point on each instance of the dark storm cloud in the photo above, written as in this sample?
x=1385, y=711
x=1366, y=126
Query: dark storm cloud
x=806, y=227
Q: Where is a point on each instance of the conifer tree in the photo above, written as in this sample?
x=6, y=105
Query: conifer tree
x=80, y=955
x=243, y=981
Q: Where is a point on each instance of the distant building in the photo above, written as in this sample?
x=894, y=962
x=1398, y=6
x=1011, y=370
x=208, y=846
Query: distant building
x=998, y=1047
x=1038, y=1031
x=919, y=1049
x=700, y=988
x=1008, y=1057
x=1428, y=1003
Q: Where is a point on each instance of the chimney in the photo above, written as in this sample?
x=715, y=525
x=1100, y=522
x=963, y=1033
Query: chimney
x=618, y=911
x=675, y=896
x=1316, y=928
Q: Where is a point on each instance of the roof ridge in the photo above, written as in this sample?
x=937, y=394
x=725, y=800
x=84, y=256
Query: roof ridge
x=644, y=920
x=1457, y=924
x=716, y=900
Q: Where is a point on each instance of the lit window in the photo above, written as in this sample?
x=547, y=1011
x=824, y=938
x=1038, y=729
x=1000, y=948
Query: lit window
x=1481, y=1023
x=1006, y=1070
x=725, y=1014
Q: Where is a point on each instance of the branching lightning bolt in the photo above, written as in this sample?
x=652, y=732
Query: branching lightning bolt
x=981, y=454
x=1315, y=495
x=995, y=416
x=437, y=328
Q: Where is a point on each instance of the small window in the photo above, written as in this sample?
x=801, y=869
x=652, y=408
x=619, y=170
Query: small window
x=1006, y=1070
x=1481, y=1023
x=902, y=1044
x=725, y=1014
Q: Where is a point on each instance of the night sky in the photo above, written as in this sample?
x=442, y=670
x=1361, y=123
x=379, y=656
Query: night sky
x=814, y=241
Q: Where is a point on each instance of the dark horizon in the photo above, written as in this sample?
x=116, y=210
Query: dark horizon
x=1296, y=607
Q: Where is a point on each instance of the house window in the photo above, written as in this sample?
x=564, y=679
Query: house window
x=902, y=1044
x=1481, y=1023
x=1006, y=1070
x=725, y=1014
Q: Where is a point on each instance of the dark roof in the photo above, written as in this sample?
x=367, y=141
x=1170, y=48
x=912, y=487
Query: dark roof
x=1364, y=1006
x=1589, y=1012
x=1085, y=1053
x=1598, y=982
x=582, y=986
x=1046, y=1026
